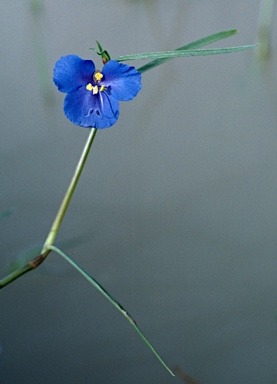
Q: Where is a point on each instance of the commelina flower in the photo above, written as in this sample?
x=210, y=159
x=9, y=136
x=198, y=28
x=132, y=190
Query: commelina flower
x=93, y=96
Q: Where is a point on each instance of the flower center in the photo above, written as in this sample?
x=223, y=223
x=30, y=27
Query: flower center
x=97, y=77
x=94, y=88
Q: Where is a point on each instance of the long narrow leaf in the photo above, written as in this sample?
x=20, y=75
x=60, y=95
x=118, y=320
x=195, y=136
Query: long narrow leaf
x=117, y=305
x=194, y=45
x=183, y=53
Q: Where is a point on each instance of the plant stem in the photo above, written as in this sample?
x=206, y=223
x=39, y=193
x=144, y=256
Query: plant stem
x=35, y=262
x=67, y=197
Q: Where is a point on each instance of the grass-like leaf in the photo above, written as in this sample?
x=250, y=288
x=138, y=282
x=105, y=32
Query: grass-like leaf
x=117, y=305
x=192, y=49
x=194, y=45
x=183, y=53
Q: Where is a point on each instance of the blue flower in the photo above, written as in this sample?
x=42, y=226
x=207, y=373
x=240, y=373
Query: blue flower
x=93, y=97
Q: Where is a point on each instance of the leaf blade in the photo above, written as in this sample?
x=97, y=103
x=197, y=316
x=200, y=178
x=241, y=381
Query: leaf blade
x=184, y=53
x=115, y=303
x=194, y=45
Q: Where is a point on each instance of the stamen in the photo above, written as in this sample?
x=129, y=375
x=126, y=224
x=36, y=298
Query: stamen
x=102, y=88
x=89, y=87
x=94, y=89
x=97, y=76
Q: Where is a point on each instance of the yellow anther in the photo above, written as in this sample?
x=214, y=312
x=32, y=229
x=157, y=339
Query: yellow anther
x=102, y=88
x=98, y=76
x=94, y=89
x=89, y=87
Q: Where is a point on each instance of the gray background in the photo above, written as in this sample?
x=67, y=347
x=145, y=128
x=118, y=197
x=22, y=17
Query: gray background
x=175, y=213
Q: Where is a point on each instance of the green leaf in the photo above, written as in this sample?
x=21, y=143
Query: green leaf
x=183, y=53
x=194, y=45
x=117, y=305
x=190, y=49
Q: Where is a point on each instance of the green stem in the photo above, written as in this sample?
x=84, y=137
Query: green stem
x=14, y=275
x=67, y=197
x=34, y=263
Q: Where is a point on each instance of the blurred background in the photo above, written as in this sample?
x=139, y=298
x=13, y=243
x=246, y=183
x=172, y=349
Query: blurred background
x=175, y=212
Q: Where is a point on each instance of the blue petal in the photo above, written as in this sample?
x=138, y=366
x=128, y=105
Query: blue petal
x=71, y=72
x=123, y=81
x=83, y=108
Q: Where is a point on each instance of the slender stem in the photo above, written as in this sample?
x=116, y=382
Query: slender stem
x=35, y=262
x=14, y=275
x=67, y=197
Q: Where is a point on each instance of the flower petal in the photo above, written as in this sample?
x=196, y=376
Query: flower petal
x=84, y=108
x=71, y=72
x=123, y=81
